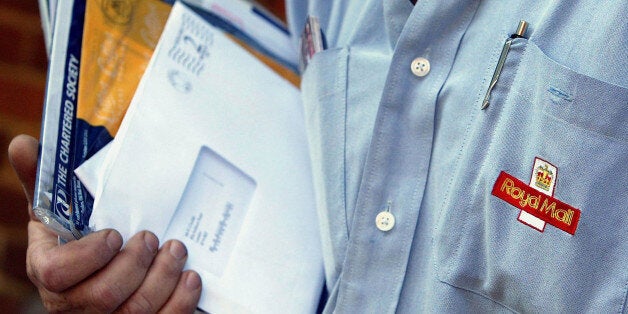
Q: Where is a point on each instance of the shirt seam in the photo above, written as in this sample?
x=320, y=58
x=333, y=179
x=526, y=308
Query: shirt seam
x=482, y=167
x=622, y=307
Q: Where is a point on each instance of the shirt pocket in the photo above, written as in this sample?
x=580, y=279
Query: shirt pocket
x=323, y=86
x=541, y=109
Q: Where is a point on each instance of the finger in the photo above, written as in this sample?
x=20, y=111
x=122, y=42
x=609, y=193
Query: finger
x=186, y=295
x=40, y=240
x=160, y=281
x=56, y=267
x=116, y=282
x=23, y=158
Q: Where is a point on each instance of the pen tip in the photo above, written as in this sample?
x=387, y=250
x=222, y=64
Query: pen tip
x=484, y=105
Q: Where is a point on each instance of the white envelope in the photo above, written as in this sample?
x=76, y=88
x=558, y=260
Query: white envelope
x=91, y=172
x=213, y=152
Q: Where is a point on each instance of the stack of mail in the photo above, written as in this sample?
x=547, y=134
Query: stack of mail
x=211, y=151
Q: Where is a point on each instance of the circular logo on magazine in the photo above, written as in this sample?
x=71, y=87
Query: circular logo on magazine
x=179, y=81
x=118, y=11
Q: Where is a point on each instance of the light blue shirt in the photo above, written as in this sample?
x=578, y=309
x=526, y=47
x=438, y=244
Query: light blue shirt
x=381, y=135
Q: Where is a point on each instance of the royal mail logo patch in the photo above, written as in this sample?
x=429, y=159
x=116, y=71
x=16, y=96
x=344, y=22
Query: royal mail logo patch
x=537, y=202
x=543, y=178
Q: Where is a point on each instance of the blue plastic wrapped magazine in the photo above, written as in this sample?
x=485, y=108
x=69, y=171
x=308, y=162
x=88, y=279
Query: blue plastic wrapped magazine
x=52, y=201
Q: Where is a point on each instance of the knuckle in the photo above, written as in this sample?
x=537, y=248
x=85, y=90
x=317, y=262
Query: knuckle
x=143, y=260
x=182, y=301
x=51, y=306
x=139, y=303
x=48, y=275
x=169, y=268
x=55, y=307
x=142, y=257
x=106, y=298
x=59, y=303
x=181, y=307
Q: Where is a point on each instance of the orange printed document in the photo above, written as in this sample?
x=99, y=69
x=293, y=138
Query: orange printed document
x=119, y=39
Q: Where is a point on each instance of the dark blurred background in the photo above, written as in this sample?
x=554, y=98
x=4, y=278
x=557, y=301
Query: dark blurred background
x=23, y=65
x=22, y=77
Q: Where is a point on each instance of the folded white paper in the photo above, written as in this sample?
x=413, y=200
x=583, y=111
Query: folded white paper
x=213, y=152
x=91, y=172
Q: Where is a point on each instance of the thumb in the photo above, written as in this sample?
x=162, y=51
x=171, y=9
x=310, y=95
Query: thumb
x=23, y=158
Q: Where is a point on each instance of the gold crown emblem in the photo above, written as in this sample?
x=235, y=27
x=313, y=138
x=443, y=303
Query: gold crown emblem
x=544, y=177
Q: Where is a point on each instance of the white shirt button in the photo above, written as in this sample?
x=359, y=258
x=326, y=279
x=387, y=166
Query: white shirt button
x=420, y=67
x=385, y=221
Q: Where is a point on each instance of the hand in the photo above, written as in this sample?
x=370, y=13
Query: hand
x=94, y=274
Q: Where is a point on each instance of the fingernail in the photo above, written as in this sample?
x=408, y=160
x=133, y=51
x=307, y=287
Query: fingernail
x=152, y=243
x=193, y=281
x=177, y=250
x=114, y=240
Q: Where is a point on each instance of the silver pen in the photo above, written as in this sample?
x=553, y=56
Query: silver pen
x=521, y=29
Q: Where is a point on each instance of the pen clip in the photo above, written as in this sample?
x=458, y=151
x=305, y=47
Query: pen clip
x=521, y=29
